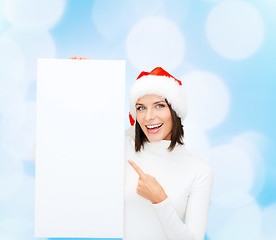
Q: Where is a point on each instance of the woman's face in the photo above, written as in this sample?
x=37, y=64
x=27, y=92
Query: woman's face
x=154, y=116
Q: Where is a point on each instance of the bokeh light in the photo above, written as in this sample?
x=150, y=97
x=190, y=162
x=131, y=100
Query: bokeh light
x=208, y=99
x=228, y=160
x=33, y=45
x=112, y=19
x=33, y=14
x=235, y=29
x=243, y=224
x=154, y=42
x=268, y=222
x=12, y=65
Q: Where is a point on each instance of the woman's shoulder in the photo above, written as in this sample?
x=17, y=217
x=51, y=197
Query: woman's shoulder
x=198, y=163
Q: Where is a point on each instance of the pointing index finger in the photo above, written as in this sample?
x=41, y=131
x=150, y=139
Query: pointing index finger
x=136, y=168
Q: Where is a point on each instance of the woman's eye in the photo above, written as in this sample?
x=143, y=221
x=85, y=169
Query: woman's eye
x=140, y=108
x=160, y=106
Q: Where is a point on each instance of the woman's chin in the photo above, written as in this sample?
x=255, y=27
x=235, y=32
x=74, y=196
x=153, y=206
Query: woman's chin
x=154, y=138
x=158, y=137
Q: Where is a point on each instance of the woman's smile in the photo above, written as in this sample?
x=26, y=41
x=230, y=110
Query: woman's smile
x=152, y=129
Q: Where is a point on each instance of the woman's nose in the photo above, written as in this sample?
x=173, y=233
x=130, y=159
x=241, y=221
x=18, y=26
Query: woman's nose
x=150, y=114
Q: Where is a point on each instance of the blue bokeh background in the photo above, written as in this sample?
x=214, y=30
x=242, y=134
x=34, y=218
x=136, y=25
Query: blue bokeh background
x=224, y=53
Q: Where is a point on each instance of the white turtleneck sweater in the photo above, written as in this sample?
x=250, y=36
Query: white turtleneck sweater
x=187, y=181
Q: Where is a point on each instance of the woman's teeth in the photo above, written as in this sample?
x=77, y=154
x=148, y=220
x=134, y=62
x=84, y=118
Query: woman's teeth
x=154, y=126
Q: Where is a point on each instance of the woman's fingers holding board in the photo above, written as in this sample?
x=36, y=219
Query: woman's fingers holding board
x=79, y=58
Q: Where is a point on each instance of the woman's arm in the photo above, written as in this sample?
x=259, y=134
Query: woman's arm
x=197, y=204
x=196, y=211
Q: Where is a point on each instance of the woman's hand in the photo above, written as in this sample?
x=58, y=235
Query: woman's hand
x=148, y=187
x=79, y=58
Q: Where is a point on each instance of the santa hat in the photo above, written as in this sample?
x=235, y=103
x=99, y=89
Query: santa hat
x=161, y=83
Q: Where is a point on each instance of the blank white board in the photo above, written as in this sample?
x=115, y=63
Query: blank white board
x=79, y=189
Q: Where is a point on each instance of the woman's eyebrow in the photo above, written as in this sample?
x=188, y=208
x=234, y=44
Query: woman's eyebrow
x=153, y=103
x=159, y=102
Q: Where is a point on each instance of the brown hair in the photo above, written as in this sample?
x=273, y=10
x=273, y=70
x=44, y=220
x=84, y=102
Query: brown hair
x=177, y=132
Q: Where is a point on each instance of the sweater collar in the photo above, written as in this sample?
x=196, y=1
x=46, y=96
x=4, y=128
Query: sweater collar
x=160, y=147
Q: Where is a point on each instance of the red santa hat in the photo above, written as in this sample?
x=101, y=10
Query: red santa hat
x=161, y=83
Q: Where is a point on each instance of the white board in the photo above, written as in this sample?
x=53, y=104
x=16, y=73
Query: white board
x=79, y=189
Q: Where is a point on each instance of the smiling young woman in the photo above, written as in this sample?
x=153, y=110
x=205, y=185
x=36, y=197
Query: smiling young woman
x=178, y=184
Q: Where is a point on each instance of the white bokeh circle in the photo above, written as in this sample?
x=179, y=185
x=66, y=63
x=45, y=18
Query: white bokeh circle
x=33, y=45
x=9, y=184
x=19, y=132
x=219, y=215
x=174, y=9
x=2, y=23
x=19, y=209
x=22, y=224
x=207, y=98
x=234, y=175
x=21, y=202
x=12, y=63
x=155, y=8
x=245, y=223
x=153, y=42
x=10, y=162
x=8, y=236
x=110, y=17
x=33, y=14
x=268, y=222
x=253, y=143
x=196, y=140
x=211, y=0
x=235, y=29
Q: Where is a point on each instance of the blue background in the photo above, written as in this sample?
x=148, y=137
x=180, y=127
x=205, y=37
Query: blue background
x=196, y=39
